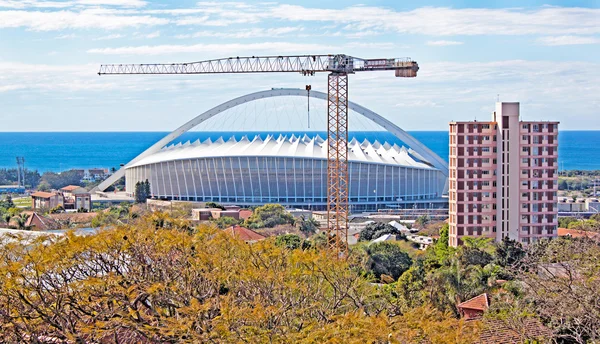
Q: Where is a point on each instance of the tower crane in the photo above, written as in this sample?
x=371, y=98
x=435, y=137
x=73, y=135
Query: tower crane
x=339, y=67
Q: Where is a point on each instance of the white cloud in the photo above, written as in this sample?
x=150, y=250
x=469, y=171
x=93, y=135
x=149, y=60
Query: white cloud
x=271, y=47
x=64, y=4
x=123, y=3
x=249, y=33
x=443, y=43
x=435, y=21
x=107, y=37
x=568, y=40
x=86, y=19
x=66, y=36
x=154, y=34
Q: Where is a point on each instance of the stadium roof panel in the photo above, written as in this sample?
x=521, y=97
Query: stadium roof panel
x=288, y=146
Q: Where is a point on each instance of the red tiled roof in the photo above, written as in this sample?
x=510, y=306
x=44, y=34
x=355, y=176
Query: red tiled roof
x=575, y=233
x=45, y=223
x=70, y=187
x=244, y=233
x=496, y=331
x=479, y=302
x=245, y=213
x=42, y=194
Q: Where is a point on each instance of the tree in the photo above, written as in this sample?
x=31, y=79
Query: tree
x=225, y=222
x=142, y=191
x=214, y=205
x=585, y=225
x=377, y=229
x=59, y=180
x=269, y=216
x=562, y=184
x=308, y=226
x=563, y=222
x=44, y=186
x=387, y=258
x=422, y=220
x=21, y=220
x=291, y=242
x=158, y=282
x=561, y=279
x=508, y=252
x=7, y=202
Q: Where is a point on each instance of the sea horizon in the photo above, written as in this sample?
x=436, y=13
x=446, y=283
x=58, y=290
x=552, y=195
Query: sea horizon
x=62, y=150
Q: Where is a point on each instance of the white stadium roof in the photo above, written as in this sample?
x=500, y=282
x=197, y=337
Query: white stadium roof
x=284, y=146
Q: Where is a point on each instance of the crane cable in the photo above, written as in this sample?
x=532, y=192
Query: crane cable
x=308, y=87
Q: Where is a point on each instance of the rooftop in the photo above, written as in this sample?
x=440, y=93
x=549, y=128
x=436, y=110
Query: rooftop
x=243, y=233
x=288, y=146
x=70, y=187
x=479, y=302
x=42, y=194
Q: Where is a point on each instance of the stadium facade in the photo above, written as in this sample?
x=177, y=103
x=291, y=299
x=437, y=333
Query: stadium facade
x=288, y=170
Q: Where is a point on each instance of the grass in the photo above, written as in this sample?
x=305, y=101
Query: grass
x=22, y=202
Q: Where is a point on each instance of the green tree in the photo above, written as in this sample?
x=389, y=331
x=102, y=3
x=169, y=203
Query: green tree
x=225, y=222
x=308, y=226
x=387, y=258
x=290, y=241
x=214, y=205
x=62, y=179
x=377, y=229
x=563, y=222
x=508, y=252
x=422, y=220
x=269, y=216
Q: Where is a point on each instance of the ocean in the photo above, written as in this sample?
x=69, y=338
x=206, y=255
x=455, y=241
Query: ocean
x=59, y=151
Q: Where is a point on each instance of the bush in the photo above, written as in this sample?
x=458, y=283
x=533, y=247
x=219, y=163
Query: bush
x=387, y=258
x=269, y=216
x=375, y=230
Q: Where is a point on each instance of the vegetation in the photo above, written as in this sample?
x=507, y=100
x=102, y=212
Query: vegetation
x=375, y=230
x=9, y=176
x=159, y=281
x=225, y=222
x=58, y=180
x=214, y=205
x=269, y=216
x=386, y=258
x=142, y=191
x=308, y=226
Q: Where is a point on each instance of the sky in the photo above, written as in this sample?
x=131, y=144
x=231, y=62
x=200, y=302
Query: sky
x=545, y=55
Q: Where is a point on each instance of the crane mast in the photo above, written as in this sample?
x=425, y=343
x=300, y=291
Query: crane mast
x=338, y=66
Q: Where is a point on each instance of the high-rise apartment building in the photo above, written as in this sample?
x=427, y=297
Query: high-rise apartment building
x=503, y=178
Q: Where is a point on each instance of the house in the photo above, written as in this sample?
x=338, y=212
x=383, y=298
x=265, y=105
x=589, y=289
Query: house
x=297, y=213
x=242, y=233
x=575, y=233
x=531, y=330
x=385, y=237
x=399, y=226
x=497, y=331
x=205, y=214
x=46, y=200
x=76, y=197
x=69, y=190
x=38, y=222
x=475, y=307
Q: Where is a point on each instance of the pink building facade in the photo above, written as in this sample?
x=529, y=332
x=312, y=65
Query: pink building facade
x=503, y=178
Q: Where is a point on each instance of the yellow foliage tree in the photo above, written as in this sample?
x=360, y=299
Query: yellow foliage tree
x=162, y=281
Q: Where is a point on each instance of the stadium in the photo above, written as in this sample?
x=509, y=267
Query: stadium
x=289, y=169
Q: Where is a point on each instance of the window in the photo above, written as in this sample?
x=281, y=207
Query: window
x=525, y=160
x=525, y=137
x=485, y=149
x=525, y=126
x=485, y=126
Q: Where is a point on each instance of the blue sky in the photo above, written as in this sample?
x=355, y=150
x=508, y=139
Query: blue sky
x=545, y=55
